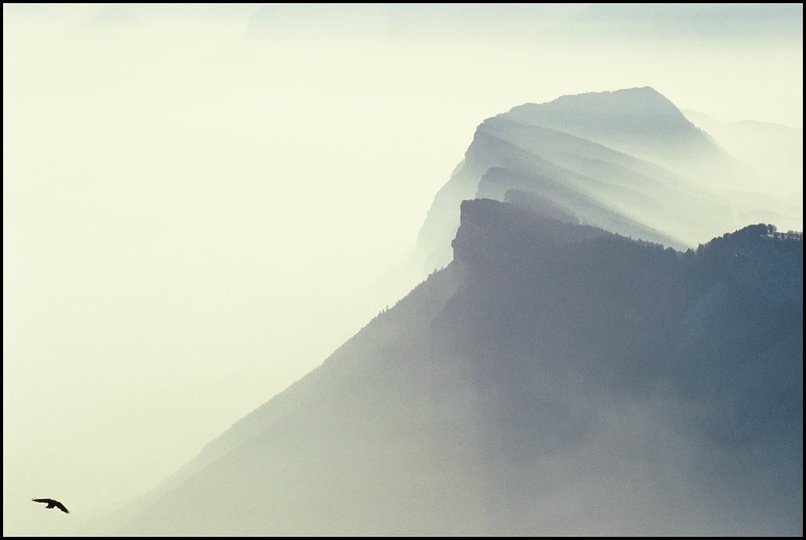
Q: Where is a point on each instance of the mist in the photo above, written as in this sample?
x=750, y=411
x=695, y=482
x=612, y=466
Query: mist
x=199, y=208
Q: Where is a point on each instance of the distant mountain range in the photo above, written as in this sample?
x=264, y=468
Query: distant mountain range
x=774, y=150
x=565, y=373
x=628, y=161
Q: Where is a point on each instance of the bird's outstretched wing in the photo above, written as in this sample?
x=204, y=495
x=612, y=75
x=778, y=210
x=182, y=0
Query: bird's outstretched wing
x=53, y=503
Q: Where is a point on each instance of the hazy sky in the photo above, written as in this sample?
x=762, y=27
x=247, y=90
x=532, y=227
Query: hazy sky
x=198, y=205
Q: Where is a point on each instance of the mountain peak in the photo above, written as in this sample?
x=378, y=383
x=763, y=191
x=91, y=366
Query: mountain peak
x=637, y=92
x=639, y=121
x=641, y=108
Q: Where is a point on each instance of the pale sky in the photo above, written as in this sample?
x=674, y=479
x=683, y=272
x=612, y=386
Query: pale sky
x=197, y=214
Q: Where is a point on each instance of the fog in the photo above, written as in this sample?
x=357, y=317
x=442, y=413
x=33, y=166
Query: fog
x=198, y=209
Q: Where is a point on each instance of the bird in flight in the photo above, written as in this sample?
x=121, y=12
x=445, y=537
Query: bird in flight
x=52, y=503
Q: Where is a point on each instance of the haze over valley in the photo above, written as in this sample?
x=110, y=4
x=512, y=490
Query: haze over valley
x=403, y=269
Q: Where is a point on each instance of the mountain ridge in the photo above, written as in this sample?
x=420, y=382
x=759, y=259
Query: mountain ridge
x=605, y=146
x=481, y=397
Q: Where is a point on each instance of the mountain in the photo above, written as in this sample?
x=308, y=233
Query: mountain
x=775, y=151
x=636, y=120
x=628, y=161
x=554, y=378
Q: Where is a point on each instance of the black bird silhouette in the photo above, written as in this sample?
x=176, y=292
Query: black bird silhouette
x=52, y=503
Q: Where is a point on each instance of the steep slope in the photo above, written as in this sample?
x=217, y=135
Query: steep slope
x=554, y=379
x=631, y=152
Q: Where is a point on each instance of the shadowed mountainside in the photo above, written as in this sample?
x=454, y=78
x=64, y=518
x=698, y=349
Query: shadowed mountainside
x=555, y=378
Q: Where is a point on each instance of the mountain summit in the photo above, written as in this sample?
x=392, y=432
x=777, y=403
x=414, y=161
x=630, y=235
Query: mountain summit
x=638, y=121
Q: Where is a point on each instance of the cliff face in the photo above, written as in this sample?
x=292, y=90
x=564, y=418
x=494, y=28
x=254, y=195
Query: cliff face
x=554, y=379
